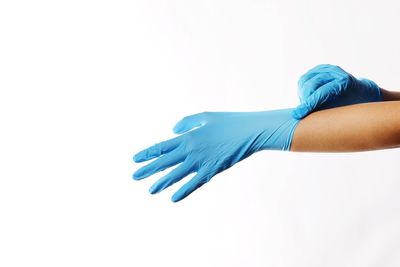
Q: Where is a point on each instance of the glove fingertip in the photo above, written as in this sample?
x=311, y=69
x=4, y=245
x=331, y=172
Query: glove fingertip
x=178, y=128
x=178, y=196
x=136, y=176
x=175, y=198
x=137, y=158
x=152, y=190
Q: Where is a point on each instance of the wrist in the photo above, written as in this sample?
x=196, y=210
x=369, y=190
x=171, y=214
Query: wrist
x=279, y=131
x=390, y=95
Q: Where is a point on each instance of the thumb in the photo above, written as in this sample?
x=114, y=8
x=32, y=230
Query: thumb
x=190, y=122
x=301, y=111
x=315, y=101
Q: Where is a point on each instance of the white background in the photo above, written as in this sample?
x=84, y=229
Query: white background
x=86, y=84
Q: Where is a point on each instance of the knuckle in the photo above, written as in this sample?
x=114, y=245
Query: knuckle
x=323, y=65
x=155, y=149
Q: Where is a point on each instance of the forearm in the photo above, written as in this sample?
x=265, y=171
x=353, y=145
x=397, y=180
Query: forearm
x=361, y=127
x=390, y=95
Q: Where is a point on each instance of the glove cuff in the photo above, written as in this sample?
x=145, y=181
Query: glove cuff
x=376, y=93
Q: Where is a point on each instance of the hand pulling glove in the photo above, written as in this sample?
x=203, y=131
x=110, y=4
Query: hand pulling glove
x=328, y=86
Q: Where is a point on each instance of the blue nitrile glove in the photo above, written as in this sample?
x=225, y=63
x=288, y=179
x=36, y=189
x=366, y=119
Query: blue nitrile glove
x=222, y=140
x=328, y=86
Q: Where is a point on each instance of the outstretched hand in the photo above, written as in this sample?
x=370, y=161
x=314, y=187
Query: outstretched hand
x=221, y=140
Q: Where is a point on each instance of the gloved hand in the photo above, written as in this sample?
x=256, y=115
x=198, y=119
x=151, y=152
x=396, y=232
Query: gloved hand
x=222, y=140
x=327, y=86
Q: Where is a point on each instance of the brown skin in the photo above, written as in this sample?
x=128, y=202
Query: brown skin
x=360, y=127
x=390, y=95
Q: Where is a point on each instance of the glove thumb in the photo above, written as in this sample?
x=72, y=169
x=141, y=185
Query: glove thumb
x=301, y=111
x=325, y=93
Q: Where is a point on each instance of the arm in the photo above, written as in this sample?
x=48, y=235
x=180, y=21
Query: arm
x=360, y=127
x=211, y=142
